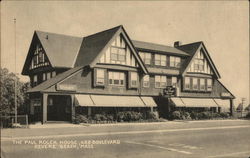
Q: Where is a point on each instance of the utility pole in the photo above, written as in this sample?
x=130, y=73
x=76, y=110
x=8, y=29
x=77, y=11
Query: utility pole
x=15, y=72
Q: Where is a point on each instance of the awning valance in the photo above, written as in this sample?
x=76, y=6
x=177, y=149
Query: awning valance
x=194, y=102
x=114, y=101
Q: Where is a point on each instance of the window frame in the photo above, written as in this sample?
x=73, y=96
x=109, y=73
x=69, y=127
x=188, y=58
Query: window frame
x=200, y=85
x=195, y=87
x=146, y=81
x=120, y=79
x=146, y=57
x=175, y=61
x=118, y=52
x=176, y=83
x=158, y=62
x=161, y=83
x=100, y=79
x=134, y=79
x=211, y=84
x=185, y=83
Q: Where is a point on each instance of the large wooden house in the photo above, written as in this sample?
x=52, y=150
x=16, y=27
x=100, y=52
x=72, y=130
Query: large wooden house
x=109, y=72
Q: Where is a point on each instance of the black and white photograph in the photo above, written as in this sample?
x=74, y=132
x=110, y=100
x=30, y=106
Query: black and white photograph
x=125, y=79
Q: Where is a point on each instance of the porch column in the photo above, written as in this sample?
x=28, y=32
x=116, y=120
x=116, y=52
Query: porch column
x=89, y=111
x=231, y=107
x=73, y=109
x=45, y=98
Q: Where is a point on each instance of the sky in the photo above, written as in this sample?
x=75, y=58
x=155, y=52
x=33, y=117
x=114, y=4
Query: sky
x=222, y=25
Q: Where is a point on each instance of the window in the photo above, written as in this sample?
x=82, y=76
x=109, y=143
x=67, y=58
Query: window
x=146, y=57
x=195, y=84
x=40, y=57
x=160, y=81
x=202, y=84
x=209, y=84
x=100, y=77
x=174, y=81
x=146, y=81
x=187, y=83
x=118, y=55
x=116, y=78
x=48, y=75
x=175, y=61
x=35, y=80
x=134, y=78
x=199, y=64
x=160, y=60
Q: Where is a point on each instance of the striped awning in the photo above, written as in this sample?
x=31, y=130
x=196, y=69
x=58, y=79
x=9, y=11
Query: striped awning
x=114, y=101
x=194, y=102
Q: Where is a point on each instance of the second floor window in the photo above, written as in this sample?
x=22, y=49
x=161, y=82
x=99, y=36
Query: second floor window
x=202, y=84
x=209, y=84
x=118, y=55
x=116, y=78
x=146, y=57
x=195, y=84
x=160, y=81
x=99, y=77
x=160, y=60
x=175, y=61
x=134, y=78
x=146, y=81
x=187, y=83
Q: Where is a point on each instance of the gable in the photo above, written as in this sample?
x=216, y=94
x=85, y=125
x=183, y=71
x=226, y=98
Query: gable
x=200, y=56
x=200, y=64
x=119, y=53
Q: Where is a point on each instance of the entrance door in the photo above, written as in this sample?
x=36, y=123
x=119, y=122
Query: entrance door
x=59, y=108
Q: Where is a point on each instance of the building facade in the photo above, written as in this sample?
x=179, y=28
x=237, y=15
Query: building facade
x=109, y=72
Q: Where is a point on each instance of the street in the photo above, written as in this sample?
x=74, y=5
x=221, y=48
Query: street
x=201, y=139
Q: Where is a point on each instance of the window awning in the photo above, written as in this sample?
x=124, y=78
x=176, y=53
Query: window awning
x=178, y=102
x=117, y=101
x=195, y=102
x=222, y=103
x=149, y=101
x=83, y=100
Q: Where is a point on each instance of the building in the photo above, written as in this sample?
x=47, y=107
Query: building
x=108, y=71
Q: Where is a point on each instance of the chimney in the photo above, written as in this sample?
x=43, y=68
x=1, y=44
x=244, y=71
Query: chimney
x=177, y=43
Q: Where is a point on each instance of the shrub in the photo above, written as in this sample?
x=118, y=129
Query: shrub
x=129, y=116
x=120, y=116
x=186, y=116
x=224, y=115
x=100, y=117
x=110, y=117
x=176, y=115
x=215, y=115
x=194, y=115
x=80, y=119
x=152, y=115
x=248, y=115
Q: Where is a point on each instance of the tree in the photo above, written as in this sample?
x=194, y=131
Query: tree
x=240, y=107
x=247, y=108
x=7, y=83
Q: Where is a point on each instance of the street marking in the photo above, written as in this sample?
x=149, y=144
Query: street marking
x=243, y=152
x=160, y=147
x=120, y=133
x=185, y=146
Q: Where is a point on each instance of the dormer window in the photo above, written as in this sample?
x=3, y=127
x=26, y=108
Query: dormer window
x=199, y=64
x=118, y=55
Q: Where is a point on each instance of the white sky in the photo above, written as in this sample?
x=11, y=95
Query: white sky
x=222, y=25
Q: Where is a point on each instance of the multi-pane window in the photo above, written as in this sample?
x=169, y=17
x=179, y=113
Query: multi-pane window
x=134, y=78
x=209, y=84
x=174, y=81
x=100, y=77
x=146, y=57
x=199, y=64
x=195, y=84
x=175, y=61
x=202, y=84
x=160, y=81
x=187, y=83
x=39, y=58
x=146, y=81
x=160, y=60
x=118, y=55
x=116, y=78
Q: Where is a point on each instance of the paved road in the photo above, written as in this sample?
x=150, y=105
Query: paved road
x=220, y=139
